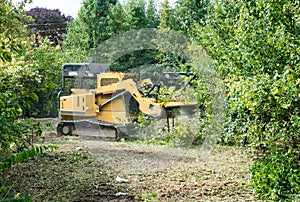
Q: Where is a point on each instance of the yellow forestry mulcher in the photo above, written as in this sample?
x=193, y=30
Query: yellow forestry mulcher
x=112, y=100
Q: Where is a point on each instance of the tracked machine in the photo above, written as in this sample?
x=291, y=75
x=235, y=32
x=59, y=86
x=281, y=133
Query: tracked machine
x=111, y=100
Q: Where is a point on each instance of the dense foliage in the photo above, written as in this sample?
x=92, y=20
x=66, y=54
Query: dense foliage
x=19, y=86
x=98, y=21
x=14, y=91
x=89, y=28
x=256, y=48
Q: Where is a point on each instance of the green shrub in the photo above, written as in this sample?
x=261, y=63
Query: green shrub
x=256, y=48
x=275, y=174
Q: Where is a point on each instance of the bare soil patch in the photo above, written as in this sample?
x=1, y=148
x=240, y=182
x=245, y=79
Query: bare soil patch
x=87, y=170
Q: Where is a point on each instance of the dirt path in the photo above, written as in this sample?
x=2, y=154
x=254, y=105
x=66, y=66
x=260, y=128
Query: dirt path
x=175, y=174
x=131, y=158
x=89, y=170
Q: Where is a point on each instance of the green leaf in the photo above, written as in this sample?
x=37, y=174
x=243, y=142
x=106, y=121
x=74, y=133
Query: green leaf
x=34, y=97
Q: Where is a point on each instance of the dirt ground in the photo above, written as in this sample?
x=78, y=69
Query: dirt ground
x=96, y=170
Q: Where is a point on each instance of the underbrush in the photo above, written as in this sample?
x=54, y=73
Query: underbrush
x=61, y=176
x=182, y=131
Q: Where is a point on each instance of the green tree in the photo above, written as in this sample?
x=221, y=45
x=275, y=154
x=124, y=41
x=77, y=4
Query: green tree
x=137, y=17
x=256, y=48
x=19, y=79
x=49, y=66
x=152, y=14
x=12, y=31
x=191, y=12
x=117, y=20
x=89, y=29
x=167, y=17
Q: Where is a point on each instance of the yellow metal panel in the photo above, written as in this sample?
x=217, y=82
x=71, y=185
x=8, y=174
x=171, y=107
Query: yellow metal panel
x=116, y=105
x=78, y=105
x=89, y=105
x=112, y=117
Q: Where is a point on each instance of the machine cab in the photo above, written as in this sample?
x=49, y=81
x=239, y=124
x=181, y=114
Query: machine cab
x=78, y=82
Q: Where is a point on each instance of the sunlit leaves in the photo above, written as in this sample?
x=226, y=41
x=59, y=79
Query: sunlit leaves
x=256, y=47
x=25, y=71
